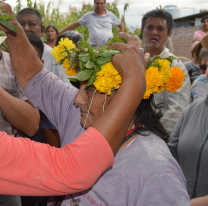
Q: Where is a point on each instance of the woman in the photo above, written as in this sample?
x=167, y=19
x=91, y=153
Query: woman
x=157, y=177
x=198, y=35
x=189, y=145
x=199, y=87
x=51, y=35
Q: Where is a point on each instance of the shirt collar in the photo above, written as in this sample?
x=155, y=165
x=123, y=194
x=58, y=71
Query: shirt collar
x=106, y=12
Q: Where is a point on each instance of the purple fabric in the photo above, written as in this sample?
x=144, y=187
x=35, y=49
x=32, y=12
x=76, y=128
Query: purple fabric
x=144, y=173
x=56, y=100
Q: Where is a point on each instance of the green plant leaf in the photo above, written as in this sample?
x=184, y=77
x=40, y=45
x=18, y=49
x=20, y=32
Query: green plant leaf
x=101, y=60
x=6, y=24
x=90, y=64
x=6, y=16
x=92, y=79
x=107, y=53
x=82, y=45
x=84, y=57
x=91, y=53
x=82, y=76
x=115, y=40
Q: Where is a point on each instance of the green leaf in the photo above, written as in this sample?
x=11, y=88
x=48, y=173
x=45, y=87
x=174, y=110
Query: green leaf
x=101, y=61
x=92, y=79
x=82, y=76
x=84, y=57
x=6, y=16
x=82, y=45
x=91, y=53
x=6, y=24
x=90, y=64
x=81, y=65
x=115, y=40
x=107, y=53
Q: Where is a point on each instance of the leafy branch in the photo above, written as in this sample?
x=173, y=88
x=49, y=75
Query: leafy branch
x=4, y=17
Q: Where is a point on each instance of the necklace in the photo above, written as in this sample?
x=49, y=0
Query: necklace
x=129, y=134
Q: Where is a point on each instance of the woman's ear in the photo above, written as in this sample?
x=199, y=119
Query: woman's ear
x=42, y=30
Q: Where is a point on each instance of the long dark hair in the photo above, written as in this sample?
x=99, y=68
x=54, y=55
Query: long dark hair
x=147, y=119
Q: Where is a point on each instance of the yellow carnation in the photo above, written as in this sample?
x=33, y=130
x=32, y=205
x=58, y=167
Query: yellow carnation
x=59, y=51
x=69, y=71
x=154, y=81
x=176, y=80
x=165, y=71
x=107, y=78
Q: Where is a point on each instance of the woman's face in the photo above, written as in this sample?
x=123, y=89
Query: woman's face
x=205, y=25
x=51, y=33
x=83, y=99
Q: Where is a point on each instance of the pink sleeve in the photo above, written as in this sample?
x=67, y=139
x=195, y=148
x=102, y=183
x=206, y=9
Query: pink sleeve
x=31, y=168
x=198, y=33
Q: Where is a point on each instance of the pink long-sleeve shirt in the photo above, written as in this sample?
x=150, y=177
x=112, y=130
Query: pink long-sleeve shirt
x=31, y=168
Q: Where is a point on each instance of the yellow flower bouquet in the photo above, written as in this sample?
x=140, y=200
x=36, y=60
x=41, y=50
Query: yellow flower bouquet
x=95, y=65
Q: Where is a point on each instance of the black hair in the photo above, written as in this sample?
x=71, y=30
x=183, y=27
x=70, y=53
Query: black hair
x=72, y=35
x=52, y=26
x=147, y=119
x=37, y=43
x=204, y=17
x=95, y=1
x=30, y=11
x=159, y=13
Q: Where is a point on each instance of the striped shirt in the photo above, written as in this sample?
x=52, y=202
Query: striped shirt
x=9, y=84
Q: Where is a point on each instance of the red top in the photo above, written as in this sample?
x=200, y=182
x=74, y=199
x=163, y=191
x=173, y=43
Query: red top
x=31, y=168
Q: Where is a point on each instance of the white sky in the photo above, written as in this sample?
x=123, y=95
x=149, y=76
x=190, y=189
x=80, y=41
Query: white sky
x=136, y=8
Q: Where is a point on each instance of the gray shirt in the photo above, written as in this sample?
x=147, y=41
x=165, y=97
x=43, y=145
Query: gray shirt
x=189, y=145
x=51, y=65
x=100, y=27
x=193, y=70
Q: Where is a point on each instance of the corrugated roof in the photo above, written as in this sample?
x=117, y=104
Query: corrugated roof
x=191, y=17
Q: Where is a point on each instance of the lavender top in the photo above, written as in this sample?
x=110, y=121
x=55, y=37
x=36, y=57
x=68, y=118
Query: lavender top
x=144, y=173
x=56, y=100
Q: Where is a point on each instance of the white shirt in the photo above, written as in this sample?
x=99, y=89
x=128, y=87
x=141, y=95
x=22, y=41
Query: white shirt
x=173, y=102
x=9, y=84
x=51, y=65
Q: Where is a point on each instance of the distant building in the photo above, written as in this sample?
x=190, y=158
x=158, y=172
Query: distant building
x=183, y=33
x=173, y=10
x=189, y=21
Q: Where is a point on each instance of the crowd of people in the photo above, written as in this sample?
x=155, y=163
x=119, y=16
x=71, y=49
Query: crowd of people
x=87, y=147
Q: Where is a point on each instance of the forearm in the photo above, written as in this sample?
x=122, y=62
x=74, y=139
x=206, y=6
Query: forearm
x=19, y=113
x=201, y=201
x=24, y=60
x=70, y=27
x=41, y=170
x=122, y=27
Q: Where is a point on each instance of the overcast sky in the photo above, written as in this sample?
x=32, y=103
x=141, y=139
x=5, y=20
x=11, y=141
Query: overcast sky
x=136, y=8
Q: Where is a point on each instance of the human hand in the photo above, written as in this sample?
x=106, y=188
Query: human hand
x=7, y=20
x=132, y=61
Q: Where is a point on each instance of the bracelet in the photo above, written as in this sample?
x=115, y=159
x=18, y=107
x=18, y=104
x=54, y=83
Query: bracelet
x=142, y=49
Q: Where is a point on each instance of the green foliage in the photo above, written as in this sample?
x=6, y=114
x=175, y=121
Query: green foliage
x=51, y=15
x=4, y=20
x=90, y=59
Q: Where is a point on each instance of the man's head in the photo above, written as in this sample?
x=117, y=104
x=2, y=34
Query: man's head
x=99, y=6
x=37, y=44
x=31, y=21
x=156, y=28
